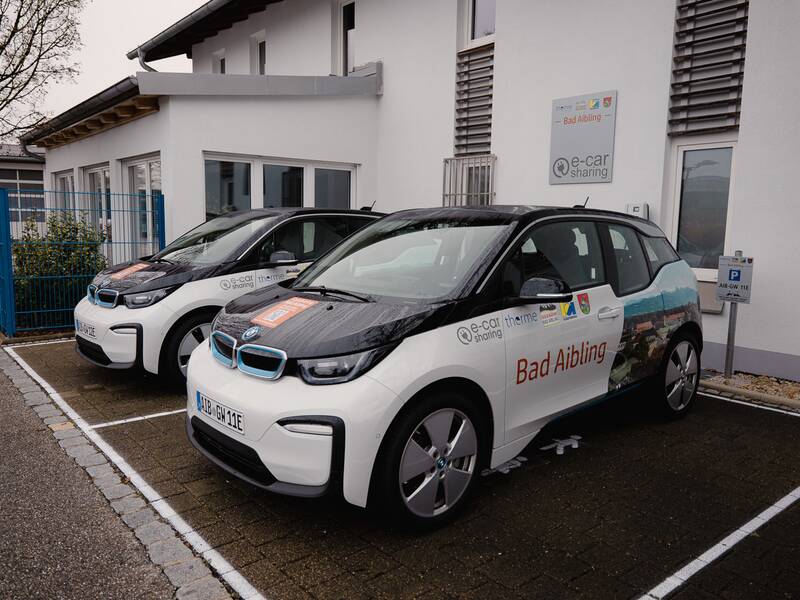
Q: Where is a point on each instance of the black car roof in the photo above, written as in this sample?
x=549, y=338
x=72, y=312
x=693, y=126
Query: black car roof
x=508, y=213
x=294, y=211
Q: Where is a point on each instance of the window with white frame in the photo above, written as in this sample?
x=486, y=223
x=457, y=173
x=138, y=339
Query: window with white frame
x=218, y=62
x=234, y=182
x=481, y=18
x=64, y=183
x=348, y=32
x=258, y=53
x=143, y=184
x=702, y=200
x=97, y=181
x=25, y=193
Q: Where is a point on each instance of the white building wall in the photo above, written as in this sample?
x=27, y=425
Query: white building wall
x=765, y=213
x=298, y=35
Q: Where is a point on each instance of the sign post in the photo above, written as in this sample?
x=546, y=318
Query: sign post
x=734, y=280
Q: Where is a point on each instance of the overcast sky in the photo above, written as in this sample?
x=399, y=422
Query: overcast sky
x=109, y=29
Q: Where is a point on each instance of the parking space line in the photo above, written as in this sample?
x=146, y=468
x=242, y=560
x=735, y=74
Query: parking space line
x=752, y=404
x=677, y=579
x=214, y=559
x=41, y=343
x=134, y=419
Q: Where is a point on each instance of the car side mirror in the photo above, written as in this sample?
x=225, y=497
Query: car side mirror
x=540, y=290
x=282, y=257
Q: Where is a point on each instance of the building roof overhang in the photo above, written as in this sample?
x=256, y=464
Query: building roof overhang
x=114, y=106
x=208, y=20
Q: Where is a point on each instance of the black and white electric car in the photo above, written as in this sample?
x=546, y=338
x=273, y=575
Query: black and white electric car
x=435, y=342
x=153, y=312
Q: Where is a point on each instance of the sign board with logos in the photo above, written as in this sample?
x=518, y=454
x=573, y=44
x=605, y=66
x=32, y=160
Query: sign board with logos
x=582, y=138
x=734, y=279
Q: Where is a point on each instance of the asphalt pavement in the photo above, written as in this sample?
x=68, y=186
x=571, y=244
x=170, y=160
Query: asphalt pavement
x=59, y=537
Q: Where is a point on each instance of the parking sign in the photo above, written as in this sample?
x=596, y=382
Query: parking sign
x=734, y=279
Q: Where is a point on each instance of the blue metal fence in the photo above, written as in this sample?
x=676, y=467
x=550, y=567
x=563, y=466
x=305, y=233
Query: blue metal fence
x=52, y=244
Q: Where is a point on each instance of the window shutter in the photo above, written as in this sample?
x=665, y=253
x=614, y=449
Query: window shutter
x=708, y=66
x=474, y=88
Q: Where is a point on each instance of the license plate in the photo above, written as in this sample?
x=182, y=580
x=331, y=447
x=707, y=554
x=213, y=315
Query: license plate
x=232, y=419
x=84, y=328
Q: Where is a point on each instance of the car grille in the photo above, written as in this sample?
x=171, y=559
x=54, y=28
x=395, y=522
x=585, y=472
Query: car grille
x=106, y=298
x=223, y=347
x=92, y=351
x=261, y=361
x=236, y=455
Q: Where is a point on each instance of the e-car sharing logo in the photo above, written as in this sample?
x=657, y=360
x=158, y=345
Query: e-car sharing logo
x=480, y=331
x=242, y=282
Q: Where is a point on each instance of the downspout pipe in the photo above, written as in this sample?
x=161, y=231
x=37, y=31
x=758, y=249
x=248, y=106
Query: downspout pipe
x=144, y=65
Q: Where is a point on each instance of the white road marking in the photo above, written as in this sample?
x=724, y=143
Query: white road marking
x=214, y=559
x=751, y=404
x=42, y=343
x=572, y=441
x=134, y=419
x=677, y=579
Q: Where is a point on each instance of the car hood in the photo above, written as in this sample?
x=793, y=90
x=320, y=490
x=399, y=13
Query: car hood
x=309, y=325
x=142, y=276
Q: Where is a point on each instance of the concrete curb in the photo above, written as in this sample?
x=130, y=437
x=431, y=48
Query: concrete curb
x=44, y=337
x=760, y=396
x=187, y=572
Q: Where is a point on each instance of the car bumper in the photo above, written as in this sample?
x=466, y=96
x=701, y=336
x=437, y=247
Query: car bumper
x=269, y=455
x=107, y=337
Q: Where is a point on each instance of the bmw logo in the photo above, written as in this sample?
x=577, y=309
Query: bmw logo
x=250, y=333
x=440, y=464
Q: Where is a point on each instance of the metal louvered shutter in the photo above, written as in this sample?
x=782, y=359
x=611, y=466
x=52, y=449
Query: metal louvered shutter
x=474, y=88
x=708, y=66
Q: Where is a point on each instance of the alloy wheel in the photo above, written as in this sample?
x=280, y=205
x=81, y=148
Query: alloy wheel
x=193, y=338
x=681, y=377
x=438, y=462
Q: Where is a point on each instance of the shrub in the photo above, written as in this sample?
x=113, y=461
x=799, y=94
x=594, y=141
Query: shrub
x=53, y=264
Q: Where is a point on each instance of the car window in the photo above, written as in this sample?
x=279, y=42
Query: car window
x=357, y=223
x=632, y=272
x=566, y=250
x=306, y=239
x=659, y=252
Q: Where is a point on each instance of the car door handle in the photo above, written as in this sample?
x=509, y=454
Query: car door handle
x=609, y=313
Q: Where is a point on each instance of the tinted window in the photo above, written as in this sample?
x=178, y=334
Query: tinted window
x=659, y=252
x=357, y=223
x=307, y=239
x=569, y=251
x=632, y=272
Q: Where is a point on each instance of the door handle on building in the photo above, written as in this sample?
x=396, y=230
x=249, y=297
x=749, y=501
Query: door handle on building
x=609, y=313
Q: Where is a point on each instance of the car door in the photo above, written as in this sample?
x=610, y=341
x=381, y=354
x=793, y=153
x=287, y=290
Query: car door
x=307, y=238
x=558, y=355
x=643, y=336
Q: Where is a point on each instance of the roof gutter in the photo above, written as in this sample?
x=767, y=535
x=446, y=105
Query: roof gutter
x=119, y=92
x=176, y=28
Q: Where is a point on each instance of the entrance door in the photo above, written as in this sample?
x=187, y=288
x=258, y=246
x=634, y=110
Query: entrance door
x=558, y=355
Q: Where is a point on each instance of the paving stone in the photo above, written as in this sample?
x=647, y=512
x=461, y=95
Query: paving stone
x=115, y=492
x=139, y=518
x=128, y=504
x=107, y=480
x=55, y=420
x=182, y=573
x=91, y=460
x=63, y=427
x=42, y=408
x=77, y=440
x=154, y=531
x=207, y=588
x=81, y=449
x=36, y=399
x=65, y=432
x=168, y=551
x=100, y=470
x=50, y=412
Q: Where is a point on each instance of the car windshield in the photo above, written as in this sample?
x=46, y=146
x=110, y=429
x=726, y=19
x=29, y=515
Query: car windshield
x=216, y=241
x=411, y=258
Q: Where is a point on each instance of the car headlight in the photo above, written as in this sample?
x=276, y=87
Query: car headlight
x=147, y=298
x=339, y=369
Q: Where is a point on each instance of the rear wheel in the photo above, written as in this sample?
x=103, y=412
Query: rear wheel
x=680, y=375
x=431, y=462
x=187, y=336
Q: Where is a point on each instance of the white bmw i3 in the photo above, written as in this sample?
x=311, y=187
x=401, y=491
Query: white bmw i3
x=153, y=312
x=435, y=342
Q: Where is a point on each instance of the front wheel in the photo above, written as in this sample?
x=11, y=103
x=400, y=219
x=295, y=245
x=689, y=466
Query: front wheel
x=181, y=343
x=431, y=462
x=679, y=377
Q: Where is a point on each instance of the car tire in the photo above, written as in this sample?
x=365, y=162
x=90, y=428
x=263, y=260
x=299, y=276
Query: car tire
x=678, y=379
x=182, y=340
x=427, y=491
